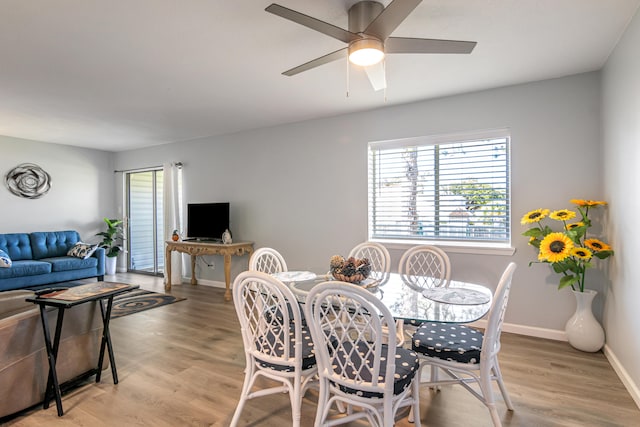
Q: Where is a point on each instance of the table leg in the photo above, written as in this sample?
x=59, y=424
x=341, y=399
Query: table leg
x=167, y=266
x=194, y=281
x=52, y=354
x=227, y=277
x=106, y=341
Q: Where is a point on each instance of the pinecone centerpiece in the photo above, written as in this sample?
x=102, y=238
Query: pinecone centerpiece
x=352, y=270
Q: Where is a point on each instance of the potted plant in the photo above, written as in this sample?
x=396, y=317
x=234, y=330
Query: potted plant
x=111, y=243
x=570, y=252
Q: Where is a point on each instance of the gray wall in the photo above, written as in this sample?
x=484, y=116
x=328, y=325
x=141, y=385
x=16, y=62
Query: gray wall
x=621, y=125
x=82, y=190
x=302, y=188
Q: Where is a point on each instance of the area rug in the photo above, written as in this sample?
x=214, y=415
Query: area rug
x=139, y=300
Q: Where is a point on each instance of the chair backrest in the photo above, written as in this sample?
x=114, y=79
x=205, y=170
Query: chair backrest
x=491, y=340
x=347, y=324
x=378, y=257
x=270, y=319
x=267, y=260
x=425, y=266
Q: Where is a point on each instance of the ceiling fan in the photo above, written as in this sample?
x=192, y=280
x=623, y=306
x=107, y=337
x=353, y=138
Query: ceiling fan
x=368, y=37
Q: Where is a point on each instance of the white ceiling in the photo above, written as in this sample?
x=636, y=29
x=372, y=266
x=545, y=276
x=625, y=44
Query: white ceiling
x=123, y=74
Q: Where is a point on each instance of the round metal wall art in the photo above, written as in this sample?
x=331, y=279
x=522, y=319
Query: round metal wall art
x=28, y=180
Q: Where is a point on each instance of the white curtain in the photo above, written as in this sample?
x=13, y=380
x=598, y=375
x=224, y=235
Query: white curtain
x=172, y=208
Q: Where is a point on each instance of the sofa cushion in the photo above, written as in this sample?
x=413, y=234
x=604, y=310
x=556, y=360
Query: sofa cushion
x=16, y=245
x=5, y=261
x=25, y=268
x=82, y=250
x=67, y=263
x=47, y=244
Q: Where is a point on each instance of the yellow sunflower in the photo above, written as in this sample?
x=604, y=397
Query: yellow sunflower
x=555, y=247
x=587, y=203
x=562, y=215
x=574, y=225
x=534, y=216
x=582, y=253
x=597, y=245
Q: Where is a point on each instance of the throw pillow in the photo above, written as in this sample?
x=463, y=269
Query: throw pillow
x=5, y=261
x=82, y=250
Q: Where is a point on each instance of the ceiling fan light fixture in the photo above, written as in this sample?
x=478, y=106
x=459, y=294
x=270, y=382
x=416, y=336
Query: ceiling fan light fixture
x=366, y=52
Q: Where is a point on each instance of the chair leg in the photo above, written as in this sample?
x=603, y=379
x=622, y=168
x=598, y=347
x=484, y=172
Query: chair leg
x=434, y=377
x=322, y=410
x=296, y=404
x=246, y=386
x=495, y=417
x=503, y=388
x=243, y=400
x=414, y=413
x=486, y=389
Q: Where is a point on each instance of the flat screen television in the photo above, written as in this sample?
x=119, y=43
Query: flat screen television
x=207, y=221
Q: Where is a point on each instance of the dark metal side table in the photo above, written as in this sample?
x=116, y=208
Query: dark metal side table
x=103, y=293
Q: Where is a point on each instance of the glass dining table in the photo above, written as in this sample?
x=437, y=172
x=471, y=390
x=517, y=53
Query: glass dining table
x=460, y=302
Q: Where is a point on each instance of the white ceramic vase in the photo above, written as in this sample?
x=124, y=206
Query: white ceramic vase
x=583, y=329
x=110, y=265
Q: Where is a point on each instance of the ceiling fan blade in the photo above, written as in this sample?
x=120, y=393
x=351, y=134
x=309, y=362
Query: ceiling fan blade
x=410, y=45
x=391, y=17
x=377, y=76
x=313, y=23
x=330, y=57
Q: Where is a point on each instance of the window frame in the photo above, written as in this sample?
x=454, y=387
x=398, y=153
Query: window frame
x=453, y=244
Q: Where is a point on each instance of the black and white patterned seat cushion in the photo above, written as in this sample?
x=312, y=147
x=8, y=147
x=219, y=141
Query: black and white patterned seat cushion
x=407, y=364
x=274, y=312
x=448, y=341
x=265, y=344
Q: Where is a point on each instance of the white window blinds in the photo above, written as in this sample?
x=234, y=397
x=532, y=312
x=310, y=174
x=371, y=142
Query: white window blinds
x=452, y=187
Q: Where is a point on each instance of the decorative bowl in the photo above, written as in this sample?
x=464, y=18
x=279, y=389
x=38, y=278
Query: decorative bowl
x=356, y=278
x=351, y=270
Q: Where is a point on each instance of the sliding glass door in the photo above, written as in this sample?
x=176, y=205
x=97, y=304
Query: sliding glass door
x=145, y=244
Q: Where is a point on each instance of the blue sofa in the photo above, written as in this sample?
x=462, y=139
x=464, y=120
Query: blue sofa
x=41, y=258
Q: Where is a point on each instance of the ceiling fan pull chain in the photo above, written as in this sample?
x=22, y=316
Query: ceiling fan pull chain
x=348, y=79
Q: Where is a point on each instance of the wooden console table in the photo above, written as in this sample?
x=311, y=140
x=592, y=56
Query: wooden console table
x=196, y=248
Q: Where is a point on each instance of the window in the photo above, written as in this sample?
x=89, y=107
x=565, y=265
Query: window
x=441, y=188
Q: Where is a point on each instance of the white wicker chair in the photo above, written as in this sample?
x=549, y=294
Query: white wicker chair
x=466, y=355
x=277, y=344
x=267, y=260
x=357, y=371
x=380, y=261
x=425, y=266
x=378, y=257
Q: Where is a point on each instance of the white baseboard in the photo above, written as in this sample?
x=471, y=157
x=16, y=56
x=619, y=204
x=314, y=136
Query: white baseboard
x=631, y=387
x=204, y=282
x=531, y=331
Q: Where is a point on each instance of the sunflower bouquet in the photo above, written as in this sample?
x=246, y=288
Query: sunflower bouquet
x=569, y=251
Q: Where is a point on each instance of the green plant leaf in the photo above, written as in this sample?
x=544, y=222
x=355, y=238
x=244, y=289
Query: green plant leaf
x=533, y=232
x=111, y=237
x=603, y=254
x=567, y=281
x=560, y=267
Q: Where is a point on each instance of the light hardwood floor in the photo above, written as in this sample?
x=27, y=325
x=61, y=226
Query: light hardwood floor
x=182, y=365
